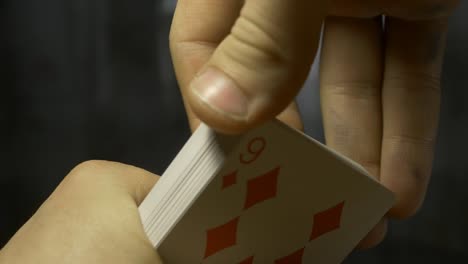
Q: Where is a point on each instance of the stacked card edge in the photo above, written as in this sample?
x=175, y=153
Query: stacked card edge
x=184, y=180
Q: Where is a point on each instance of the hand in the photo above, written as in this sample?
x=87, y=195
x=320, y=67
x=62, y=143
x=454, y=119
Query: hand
x=91, y=217
x=240, y=63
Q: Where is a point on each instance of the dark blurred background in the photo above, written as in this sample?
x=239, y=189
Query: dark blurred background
x=93, y=80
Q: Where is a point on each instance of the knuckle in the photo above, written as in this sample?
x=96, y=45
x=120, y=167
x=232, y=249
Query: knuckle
x=374, y=241
x=90, y=166
x=403, y=212
x=83, y=178
x=87, y=170
x=375, y=236
x=378, y=240
x=359, y=89
x=416, y=81
x=405, y=209
x=251, y=36
x=412, y=140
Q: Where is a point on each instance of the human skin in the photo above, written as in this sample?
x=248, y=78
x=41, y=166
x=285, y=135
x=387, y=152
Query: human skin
x=242, y=62
x=92, y=217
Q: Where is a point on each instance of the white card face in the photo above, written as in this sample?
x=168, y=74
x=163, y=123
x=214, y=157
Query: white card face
x=280, y=198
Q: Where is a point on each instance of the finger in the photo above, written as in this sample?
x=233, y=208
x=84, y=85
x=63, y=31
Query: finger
x=191, y=47
x=351, y=78
x=197, y=29
x=375, y=236
x=411, y=95
x=257, y=70
x=289, y=116
x=119, y=178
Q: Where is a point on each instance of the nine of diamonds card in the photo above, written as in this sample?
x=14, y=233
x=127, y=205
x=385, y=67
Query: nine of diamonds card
x=272, y=195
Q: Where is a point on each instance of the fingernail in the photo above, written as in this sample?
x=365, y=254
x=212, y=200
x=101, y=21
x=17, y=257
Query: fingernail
x=221, y=93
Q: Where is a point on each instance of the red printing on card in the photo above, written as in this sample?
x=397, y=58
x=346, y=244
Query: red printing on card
x=221, y=237
x=248, y=260
x=255, y=147
x=327, y=221
x=262, y=188
x=229, y=179
x=294, y=258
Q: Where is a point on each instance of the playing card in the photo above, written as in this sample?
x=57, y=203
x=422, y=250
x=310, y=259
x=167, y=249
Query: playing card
x=279, y=197
x=185, y=178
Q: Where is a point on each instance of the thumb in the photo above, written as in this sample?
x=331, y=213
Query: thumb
x=257, y=70
x=92, y=217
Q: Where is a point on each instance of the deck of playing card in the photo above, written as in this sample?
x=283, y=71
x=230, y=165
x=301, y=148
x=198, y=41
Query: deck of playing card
x=271, y=195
